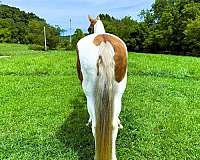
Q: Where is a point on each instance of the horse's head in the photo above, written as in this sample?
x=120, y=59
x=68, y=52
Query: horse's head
x=95, y=25
x=92, y=24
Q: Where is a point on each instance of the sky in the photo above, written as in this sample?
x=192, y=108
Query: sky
x=59, y=12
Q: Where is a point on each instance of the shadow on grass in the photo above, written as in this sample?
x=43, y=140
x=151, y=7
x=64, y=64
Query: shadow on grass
x=74, y=133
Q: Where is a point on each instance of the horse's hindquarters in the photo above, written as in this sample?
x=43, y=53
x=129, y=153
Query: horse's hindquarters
x=112, y=53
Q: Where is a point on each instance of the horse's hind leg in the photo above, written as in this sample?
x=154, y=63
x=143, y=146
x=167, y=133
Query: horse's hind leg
x=119, y=90
x=90, y=108
x=117, y=108
x=116, y=122
x=88, y=88
x=114, y=137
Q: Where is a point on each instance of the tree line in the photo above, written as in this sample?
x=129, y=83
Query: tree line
x=168, y=26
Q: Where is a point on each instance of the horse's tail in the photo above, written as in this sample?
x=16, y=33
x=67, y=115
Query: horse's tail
x=104, y=101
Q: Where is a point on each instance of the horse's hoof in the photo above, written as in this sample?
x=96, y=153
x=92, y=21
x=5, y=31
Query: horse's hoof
x=115, y=158
x=88, y=124
x=120, y=126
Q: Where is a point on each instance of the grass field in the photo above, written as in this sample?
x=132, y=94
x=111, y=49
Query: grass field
x=43, y=109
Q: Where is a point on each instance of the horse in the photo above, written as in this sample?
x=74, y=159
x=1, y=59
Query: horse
x=102, y=71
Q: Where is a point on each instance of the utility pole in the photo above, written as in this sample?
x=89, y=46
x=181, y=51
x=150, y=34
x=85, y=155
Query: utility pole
x=70, y=30
x=45, y=39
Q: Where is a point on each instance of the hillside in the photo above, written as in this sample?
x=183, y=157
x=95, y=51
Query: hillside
x=8, y=12
x=17, y=26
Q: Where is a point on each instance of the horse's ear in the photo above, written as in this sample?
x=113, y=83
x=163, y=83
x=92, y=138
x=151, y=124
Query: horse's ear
x=98, y=18
x=90, y=18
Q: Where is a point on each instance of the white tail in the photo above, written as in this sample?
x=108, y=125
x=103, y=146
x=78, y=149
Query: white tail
x=104, y=101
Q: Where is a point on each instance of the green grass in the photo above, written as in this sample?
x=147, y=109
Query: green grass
x=43, y=109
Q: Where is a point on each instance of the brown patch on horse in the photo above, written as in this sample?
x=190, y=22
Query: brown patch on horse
x=78, y=66
x=120, y=54
x=92, y=21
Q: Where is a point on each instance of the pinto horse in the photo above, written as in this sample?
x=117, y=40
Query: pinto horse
x=102, y=70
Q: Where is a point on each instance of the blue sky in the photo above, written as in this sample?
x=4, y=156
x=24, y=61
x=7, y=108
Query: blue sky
x=58, y=12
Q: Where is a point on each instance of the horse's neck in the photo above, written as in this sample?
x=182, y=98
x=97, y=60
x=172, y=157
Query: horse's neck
x=99, y=28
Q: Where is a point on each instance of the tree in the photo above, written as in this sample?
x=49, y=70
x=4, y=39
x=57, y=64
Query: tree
x=52, y=37
x=36, y=36
x=127, y=29
x=5, y=31
x=192, y=35
x=167, y=21
x=78, y=34
x=35, y=33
